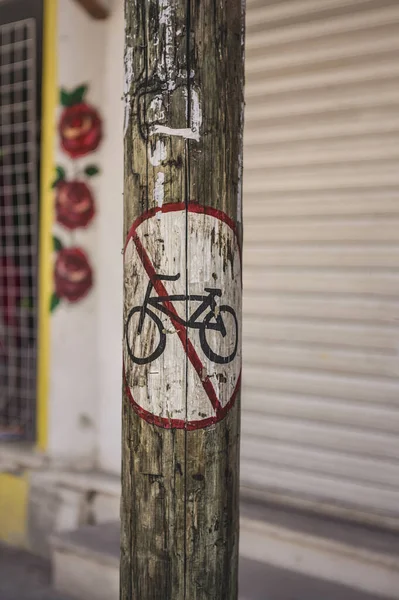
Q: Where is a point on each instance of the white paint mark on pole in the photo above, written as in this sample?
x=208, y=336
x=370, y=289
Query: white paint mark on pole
x=159, y=192
x=157, y=108
x=168, y=70
x=185, y=133
x=158, y=154
x=127, y=86
x=196, y=112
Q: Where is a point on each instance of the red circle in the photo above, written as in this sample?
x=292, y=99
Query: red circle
x=144, y=414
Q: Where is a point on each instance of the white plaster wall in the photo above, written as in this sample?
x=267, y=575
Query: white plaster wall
x=109, y=252
x=74, y=383
x=86, y=355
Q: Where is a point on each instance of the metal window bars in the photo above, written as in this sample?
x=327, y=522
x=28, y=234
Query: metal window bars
x=18, y=229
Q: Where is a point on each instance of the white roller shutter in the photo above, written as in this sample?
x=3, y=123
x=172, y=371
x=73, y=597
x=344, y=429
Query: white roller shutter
x=321, y=254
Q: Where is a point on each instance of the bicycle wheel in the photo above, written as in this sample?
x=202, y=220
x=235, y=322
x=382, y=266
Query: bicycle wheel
x=144, y=340
x=218, y=339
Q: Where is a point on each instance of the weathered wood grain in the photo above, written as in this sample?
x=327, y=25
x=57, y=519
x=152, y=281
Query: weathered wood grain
x=183, y=145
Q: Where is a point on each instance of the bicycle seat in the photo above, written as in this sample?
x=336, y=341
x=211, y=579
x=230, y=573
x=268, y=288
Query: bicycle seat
x=214, y=291
x=168, y=277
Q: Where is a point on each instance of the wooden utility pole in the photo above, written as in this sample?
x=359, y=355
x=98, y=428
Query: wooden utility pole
x=184, y=108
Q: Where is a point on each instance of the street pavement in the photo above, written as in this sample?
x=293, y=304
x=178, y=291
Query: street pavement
x=26, y=577
x=263, y=582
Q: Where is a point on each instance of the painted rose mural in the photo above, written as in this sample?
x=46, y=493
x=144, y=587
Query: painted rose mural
x=74, y=201
x=72, y=274
x=80, y=134
x=80, y=126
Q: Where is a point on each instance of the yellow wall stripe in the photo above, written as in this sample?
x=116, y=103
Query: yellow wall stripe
x=14, y=491
x=49, y=98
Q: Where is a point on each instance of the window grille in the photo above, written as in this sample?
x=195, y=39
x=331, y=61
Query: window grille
x=18, y=229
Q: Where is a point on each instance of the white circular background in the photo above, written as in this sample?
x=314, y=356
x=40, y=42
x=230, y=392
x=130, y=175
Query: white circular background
x=212, y=256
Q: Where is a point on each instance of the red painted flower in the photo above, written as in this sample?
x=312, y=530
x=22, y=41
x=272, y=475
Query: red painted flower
x=73, y=274
x=80, y=129
x=74, y=204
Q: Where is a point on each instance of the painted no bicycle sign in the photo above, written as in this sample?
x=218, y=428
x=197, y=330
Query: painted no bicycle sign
x=182, y=336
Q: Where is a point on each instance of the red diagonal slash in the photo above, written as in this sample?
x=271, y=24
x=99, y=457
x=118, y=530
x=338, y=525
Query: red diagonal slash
x=181, y=330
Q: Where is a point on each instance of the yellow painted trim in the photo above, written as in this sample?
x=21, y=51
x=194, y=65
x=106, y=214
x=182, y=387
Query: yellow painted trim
x=49, y=99
x=14, y=490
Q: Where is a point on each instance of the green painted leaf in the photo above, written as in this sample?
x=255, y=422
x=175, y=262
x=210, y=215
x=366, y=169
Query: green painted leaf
x=64, y=97
x=57, y=244
x=92, y=170
x=75, y=97
x=54, y=302
x=78, y=94
x=61, y=174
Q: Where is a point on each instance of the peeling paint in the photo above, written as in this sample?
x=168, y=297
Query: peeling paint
x=196, y=112
x=158, y=154
x=157, y=108
x=127, y=87
x=185, y=133
x=168, y=71
x=159, y=192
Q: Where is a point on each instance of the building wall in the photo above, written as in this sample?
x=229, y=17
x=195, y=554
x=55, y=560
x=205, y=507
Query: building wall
x=74, y=383
x=86, y=333
x=109, y=251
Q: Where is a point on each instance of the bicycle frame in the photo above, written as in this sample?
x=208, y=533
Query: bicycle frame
x=159, y=303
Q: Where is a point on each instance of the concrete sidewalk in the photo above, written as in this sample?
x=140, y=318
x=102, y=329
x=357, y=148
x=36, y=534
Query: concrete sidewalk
x=26, y=577
x=263, y=582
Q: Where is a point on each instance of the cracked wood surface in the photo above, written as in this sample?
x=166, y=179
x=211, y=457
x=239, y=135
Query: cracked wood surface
x=183, y=147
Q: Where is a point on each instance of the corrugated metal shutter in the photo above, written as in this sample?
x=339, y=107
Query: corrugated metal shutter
x=321, y=258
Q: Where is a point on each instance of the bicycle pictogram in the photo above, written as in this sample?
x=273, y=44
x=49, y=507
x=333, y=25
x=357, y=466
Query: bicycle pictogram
x=208, y=317
x=182, y=338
